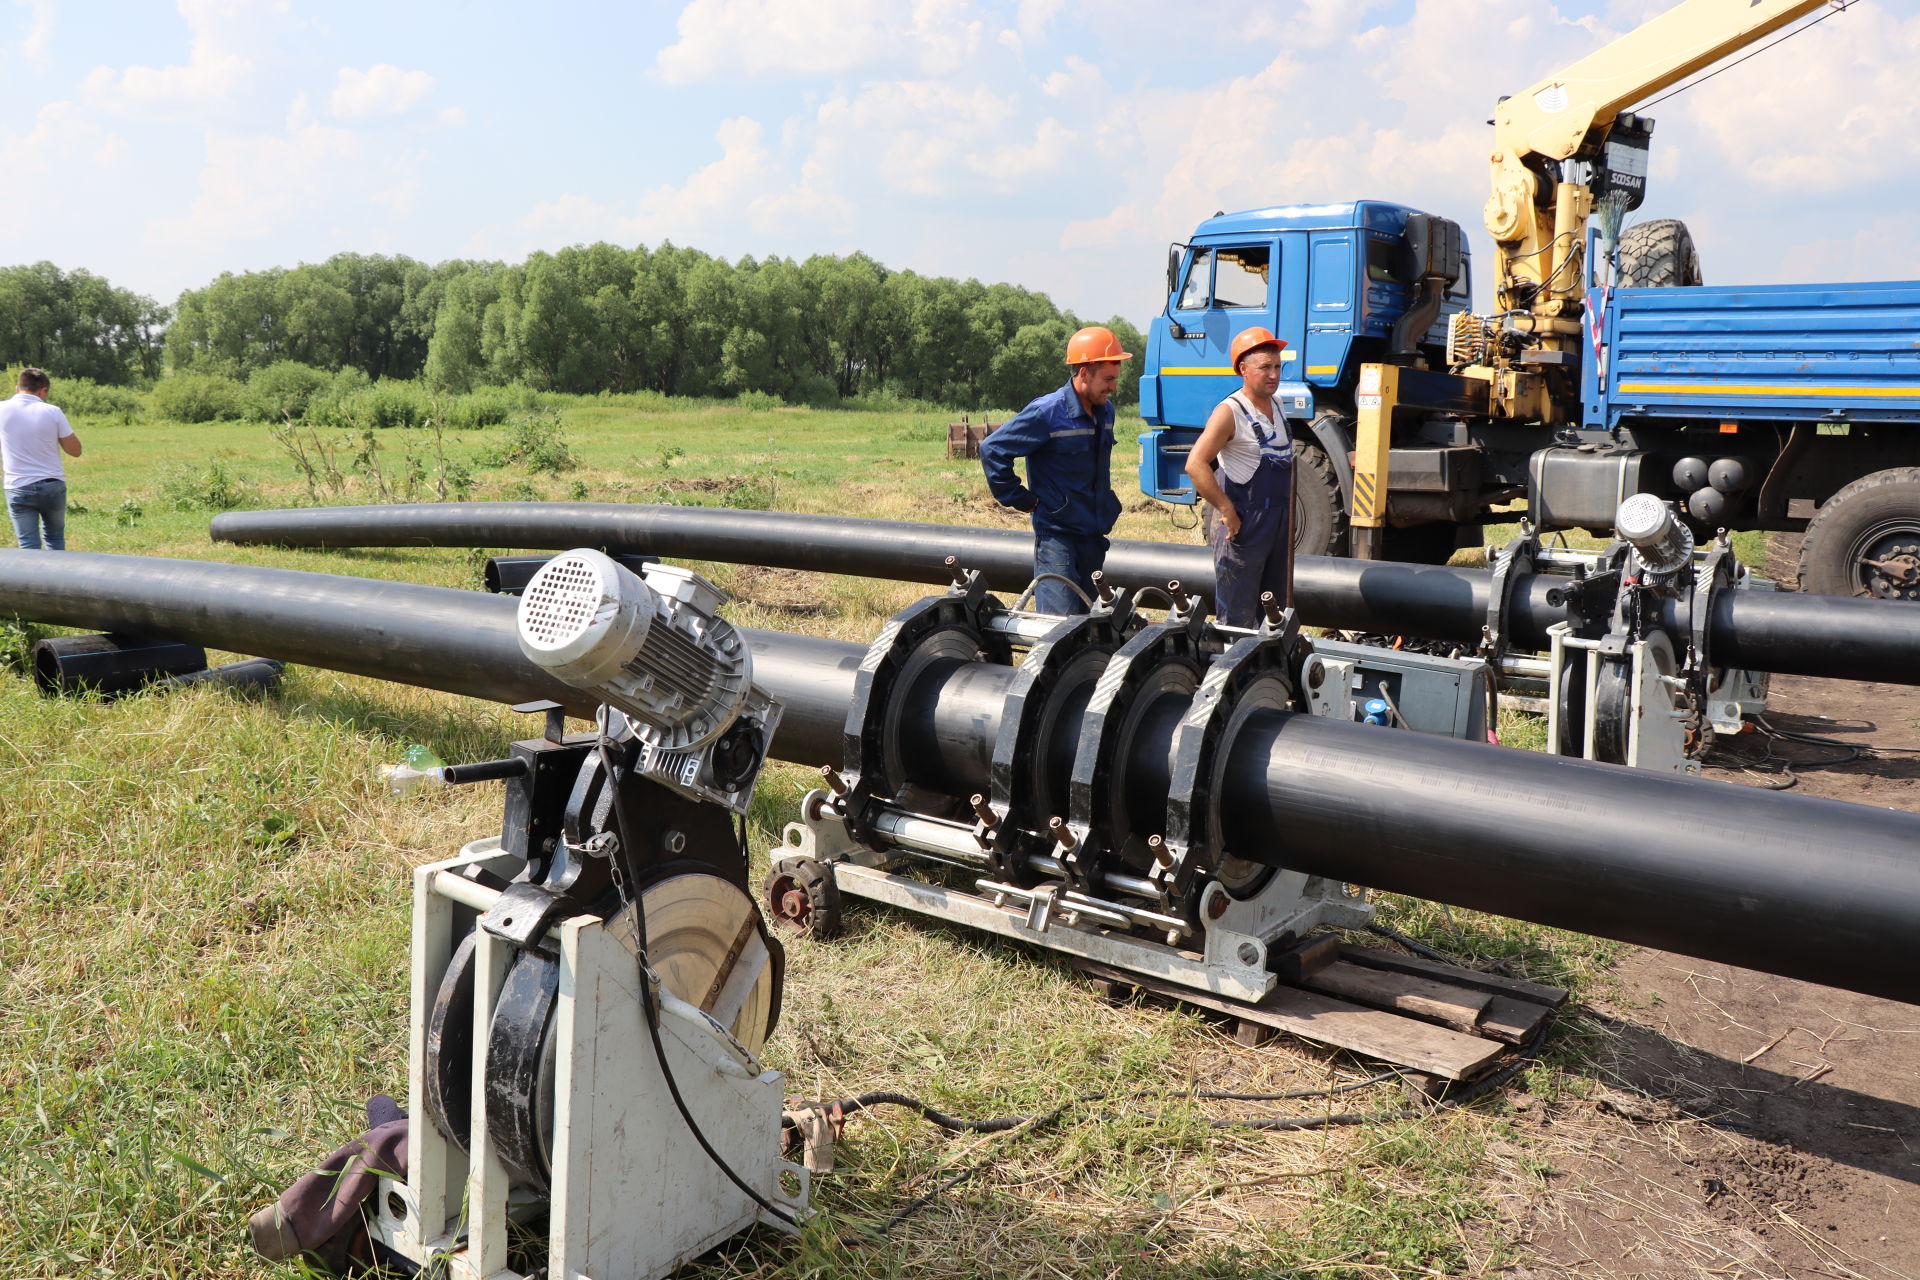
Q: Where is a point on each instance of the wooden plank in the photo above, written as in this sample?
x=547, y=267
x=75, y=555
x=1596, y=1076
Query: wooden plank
x=1512, y=1020
x=1446, y=1003
x=1307, y=958
x=1553, y=997
x=1311, y=1016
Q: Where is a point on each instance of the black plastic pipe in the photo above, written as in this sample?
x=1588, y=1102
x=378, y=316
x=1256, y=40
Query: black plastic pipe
x=110, y=664
x=1785, y=884
x=509, y=575
x=1787, y=634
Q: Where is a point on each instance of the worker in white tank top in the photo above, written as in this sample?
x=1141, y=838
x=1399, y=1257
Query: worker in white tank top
x=1251, y=491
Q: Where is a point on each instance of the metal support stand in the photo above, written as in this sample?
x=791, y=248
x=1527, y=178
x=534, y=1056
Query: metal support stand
x=1231, y=958
x=633, y=1196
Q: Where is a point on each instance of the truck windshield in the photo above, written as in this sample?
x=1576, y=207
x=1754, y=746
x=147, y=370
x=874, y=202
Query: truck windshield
x=1193, y=297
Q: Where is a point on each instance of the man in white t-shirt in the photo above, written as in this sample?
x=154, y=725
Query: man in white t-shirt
x=33, y=435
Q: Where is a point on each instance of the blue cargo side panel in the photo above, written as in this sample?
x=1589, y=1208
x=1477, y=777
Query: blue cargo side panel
x=1834, y=352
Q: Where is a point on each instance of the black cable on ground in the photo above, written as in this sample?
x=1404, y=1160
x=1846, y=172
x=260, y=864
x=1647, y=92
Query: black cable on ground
x=1773, y=735
x=1527, y=1055
x=1418, y=948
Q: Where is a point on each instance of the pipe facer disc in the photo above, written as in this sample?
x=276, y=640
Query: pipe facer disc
x=709, y=946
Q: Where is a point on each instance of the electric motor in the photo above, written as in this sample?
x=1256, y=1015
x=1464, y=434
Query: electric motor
x=1660, y=541
x=653, y=648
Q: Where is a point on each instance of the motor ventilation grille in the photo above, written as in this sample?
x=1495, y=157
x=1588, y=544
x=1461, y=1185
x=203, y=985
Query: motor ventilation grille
x=561, y=601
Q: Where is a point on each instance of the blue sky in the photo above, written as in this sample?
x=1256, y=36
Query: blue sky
x=1056, y=146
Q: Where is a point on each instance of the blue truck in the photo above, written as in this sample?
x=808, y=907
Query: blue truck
x=1605, y=368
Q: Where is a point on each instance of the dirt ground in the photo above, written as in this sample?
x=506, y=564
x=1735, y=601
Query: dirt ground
x=1749, y=1126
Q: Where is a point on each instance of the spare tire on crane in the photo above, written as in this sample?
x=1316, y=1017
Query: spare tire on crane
x=1659, y=255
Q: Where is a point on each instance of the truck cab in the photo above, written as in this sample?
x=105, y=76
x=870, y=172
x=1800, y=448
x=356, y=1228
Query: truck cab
x=1329, y=279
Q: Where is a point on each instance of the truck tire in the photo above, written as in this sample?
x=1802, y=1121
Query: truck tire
x=1865, y=539
x=1319, y=515
x=1319, y=511
x=1659, y=254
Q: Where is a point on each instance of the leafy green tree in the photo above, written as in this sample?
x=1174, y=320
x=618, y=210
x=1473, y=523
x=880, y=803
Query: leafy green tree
x=76, y=324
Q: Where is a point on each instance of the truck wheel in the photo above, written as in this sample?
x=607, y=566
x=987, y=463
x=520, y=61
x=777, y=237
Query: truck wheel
x=1865, y=539
x=1659, y=254
x=1319, y=515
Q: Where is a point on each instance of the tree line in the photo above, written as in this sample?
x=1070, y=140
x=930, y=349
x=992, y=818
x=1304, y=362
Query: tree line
x=586, y=319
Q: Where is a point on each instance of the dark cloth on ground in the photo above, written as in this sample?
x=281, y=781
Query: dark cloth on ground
x=320, y=1215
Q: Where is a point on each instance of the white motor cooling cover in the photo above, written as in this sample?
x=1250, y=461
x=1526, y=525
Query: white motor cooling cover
x=1663, y=544
x=651, y=648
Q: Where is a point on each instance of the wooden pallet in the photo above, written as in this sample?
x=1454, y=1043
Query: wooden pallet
x=1435, y=1019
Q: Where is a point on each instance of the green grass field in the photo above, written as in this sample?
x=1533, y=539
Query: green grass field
x=203, y=932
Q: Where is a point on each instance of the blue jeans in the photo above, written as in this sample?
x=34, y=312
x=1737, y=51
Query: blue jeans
x=1072, y=556
x=44, y=502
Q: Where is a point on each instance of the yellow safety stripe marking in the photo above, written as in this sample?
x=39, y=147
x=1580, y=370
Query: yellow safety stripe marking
x=1227, y=370
x=1721, y=389
x=1363, y=493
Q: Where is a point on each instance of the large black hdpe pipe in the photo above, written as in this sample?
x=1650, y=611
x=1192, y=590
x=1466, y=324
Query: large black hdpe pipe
x=1787, y=634
x=1793, y=885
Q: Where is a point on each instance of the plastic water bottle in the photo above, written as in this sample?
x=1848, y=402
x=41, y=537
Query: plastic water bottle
x=417, y=765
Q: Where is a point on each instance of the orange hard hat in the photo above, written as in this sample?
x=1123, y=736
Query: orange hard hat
x=1095, y=344
x=1248, y=339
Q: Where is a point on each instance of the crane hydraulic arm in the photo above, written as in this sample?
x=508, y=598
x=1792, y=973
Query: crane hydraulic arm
x=1535, y=215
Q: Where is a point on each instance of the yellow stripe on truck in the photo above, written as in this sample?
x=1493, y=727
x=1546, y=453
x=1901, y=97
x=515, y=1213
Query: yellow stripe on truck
x=1718, y=389
x=1226, y=371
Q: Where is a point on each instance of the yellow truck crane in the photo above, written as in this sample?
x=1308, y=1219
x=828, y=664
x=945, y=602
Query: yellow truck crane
x=1606, y=368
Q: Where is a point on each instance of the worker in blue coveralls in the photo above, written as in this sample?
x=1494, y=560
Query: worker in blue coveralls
x=1066, y=436
x=1251, y=492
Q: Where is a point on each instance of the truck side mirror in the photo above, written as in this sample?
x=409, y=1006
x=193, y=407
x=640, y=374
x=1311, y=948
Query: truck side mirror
x=1173, y=267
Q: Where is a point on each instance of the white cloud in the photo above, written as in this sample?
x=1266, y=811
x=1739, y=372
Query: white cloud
x=1836, y=108
x=453, y=117
x=61, y=135
x=1033, y=17
x=33, y=46
x=1078, y=76
x=382, y=90
x=219, y=64
x=741, y=188
x=731, y=38
x=250, y=184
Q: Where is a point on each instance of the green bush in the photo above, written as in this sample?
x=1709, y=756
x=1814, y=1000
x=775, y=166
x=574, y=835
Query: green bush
x=282, y=391
x=196, y=397
x=331, y=406
x=759, y=401
x=486, y=407
x=392, y=403
x=85, y=400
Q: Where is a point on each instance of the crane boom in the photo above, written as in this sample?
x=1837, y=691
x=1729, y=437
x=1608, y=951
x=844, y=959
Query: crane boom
x=1535, y=216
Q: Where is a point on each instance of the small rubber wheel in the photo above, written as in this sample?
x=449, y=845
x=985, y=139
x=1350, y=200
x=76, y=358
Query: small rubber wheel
x=802, y=895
